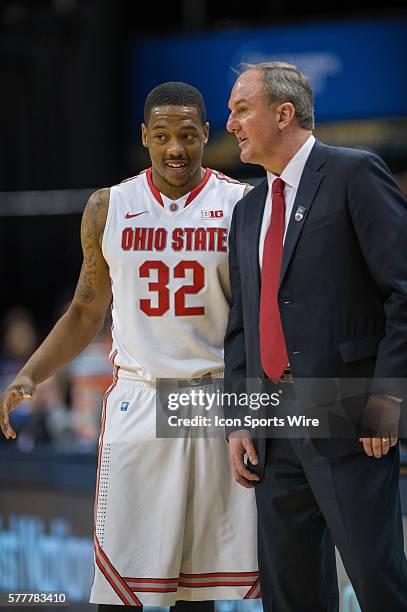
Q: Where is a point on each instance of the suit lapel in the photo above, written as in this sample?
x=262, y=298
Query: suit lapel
x=253, y=220
x=307, y=190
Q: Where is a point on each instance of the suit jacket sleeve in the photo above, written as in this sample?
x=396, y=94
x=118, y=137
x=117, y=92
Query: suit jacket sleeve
x=379, y=215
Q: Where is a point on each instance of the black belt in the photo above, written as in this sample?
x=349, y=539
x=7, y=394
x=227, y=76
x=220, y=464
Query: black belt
x=206, y=379
x=287, y=376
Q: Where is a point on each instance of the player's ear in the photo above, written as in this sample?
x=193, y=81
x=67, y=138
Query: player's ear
x=205, y=130
x=144, y=133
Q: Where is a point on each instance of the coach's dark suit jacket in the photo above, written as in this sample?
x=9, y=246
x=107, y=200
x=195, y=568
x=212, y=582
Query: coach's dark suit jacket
x=343, y=285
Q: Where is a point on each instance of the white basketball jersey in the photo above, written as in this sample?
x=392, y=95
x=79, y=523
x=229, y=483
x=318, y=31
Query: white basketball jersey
x=168, y=262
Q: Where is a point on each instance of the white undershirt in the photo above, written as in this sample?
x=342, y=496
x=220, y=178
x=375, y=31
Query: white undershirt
x=291, y=175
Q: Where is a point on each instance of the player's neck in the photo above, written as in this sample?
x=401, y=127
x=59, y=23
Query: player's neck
x=175, y=192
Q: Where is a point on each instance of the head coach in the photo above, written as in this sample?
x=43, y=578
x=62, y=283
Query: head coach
x=318, y=265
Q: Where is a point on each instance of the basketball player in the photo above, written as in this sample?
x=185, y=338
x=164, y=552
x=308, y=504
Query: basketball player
x=170, y=522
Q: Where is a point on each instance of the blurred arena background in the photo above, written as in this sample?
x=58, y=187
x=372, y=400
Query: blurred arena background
x=74, y=77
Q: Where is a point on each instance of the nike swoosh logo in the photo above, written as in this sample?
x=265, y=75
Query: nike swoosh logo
x=131, y=215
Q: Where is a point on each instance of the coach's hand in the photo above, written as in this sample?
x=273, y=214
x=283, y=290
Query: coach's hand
x=379, y=425
x=22, y=388
x=241, y=443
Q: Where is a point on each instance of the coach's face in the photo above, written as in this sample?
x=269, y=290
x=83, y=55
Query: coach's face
x=253, y=119
x=175, y=137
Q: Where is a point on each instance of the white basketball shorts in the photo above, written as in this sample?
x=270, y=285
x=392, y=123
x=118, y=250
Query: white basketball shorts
x=170, y=521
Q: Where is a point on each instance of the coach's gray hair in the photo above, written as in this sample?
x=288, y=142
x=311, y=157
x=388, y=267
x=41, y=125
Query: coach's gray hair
x=285, y=83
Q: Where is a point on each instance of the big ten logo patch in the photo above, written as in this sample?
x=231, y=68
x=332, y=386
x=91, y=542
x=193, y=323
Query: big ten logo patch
x=124, y=406
x=211, y=214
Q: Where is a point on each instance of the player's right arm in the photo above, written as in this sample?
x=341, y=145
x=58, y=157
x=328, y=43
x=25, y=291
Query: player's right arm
x=78, y=326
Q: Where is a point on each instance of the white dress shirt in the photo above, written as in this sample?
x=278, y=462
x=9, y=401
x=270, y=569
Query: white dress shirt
x=291, y=176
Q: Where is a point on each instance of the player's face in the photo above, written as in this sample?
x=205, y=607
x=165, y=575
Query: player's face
x=253, y=119
x=175, y=138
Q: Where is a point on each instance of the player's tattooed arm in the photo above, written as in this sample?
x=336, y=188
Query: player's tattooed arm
x=94, y=269
x=78, y=325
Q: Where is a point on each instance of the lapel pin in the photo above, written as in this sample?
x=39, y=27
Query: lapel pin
x=299, y=215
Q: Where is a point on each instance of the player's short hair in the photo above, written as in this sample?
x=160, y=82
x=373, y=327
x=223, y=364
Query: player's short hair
x=174, y=93
x=286, y=83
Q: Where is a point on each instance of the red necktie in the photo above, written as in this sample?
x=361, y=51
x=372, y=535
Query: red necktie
x=272, y=343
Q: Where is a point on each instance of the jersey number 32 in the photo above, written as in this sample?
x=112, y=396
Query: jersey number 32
x=162, y=274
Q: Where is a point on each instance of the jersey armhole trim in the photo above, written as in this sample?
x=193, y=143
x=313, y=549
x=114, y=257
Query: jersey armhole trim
x=108, y=222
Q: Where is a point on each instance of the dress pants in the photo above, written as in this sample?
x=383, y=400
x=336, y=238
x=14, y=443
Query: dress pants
x=306, y=504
